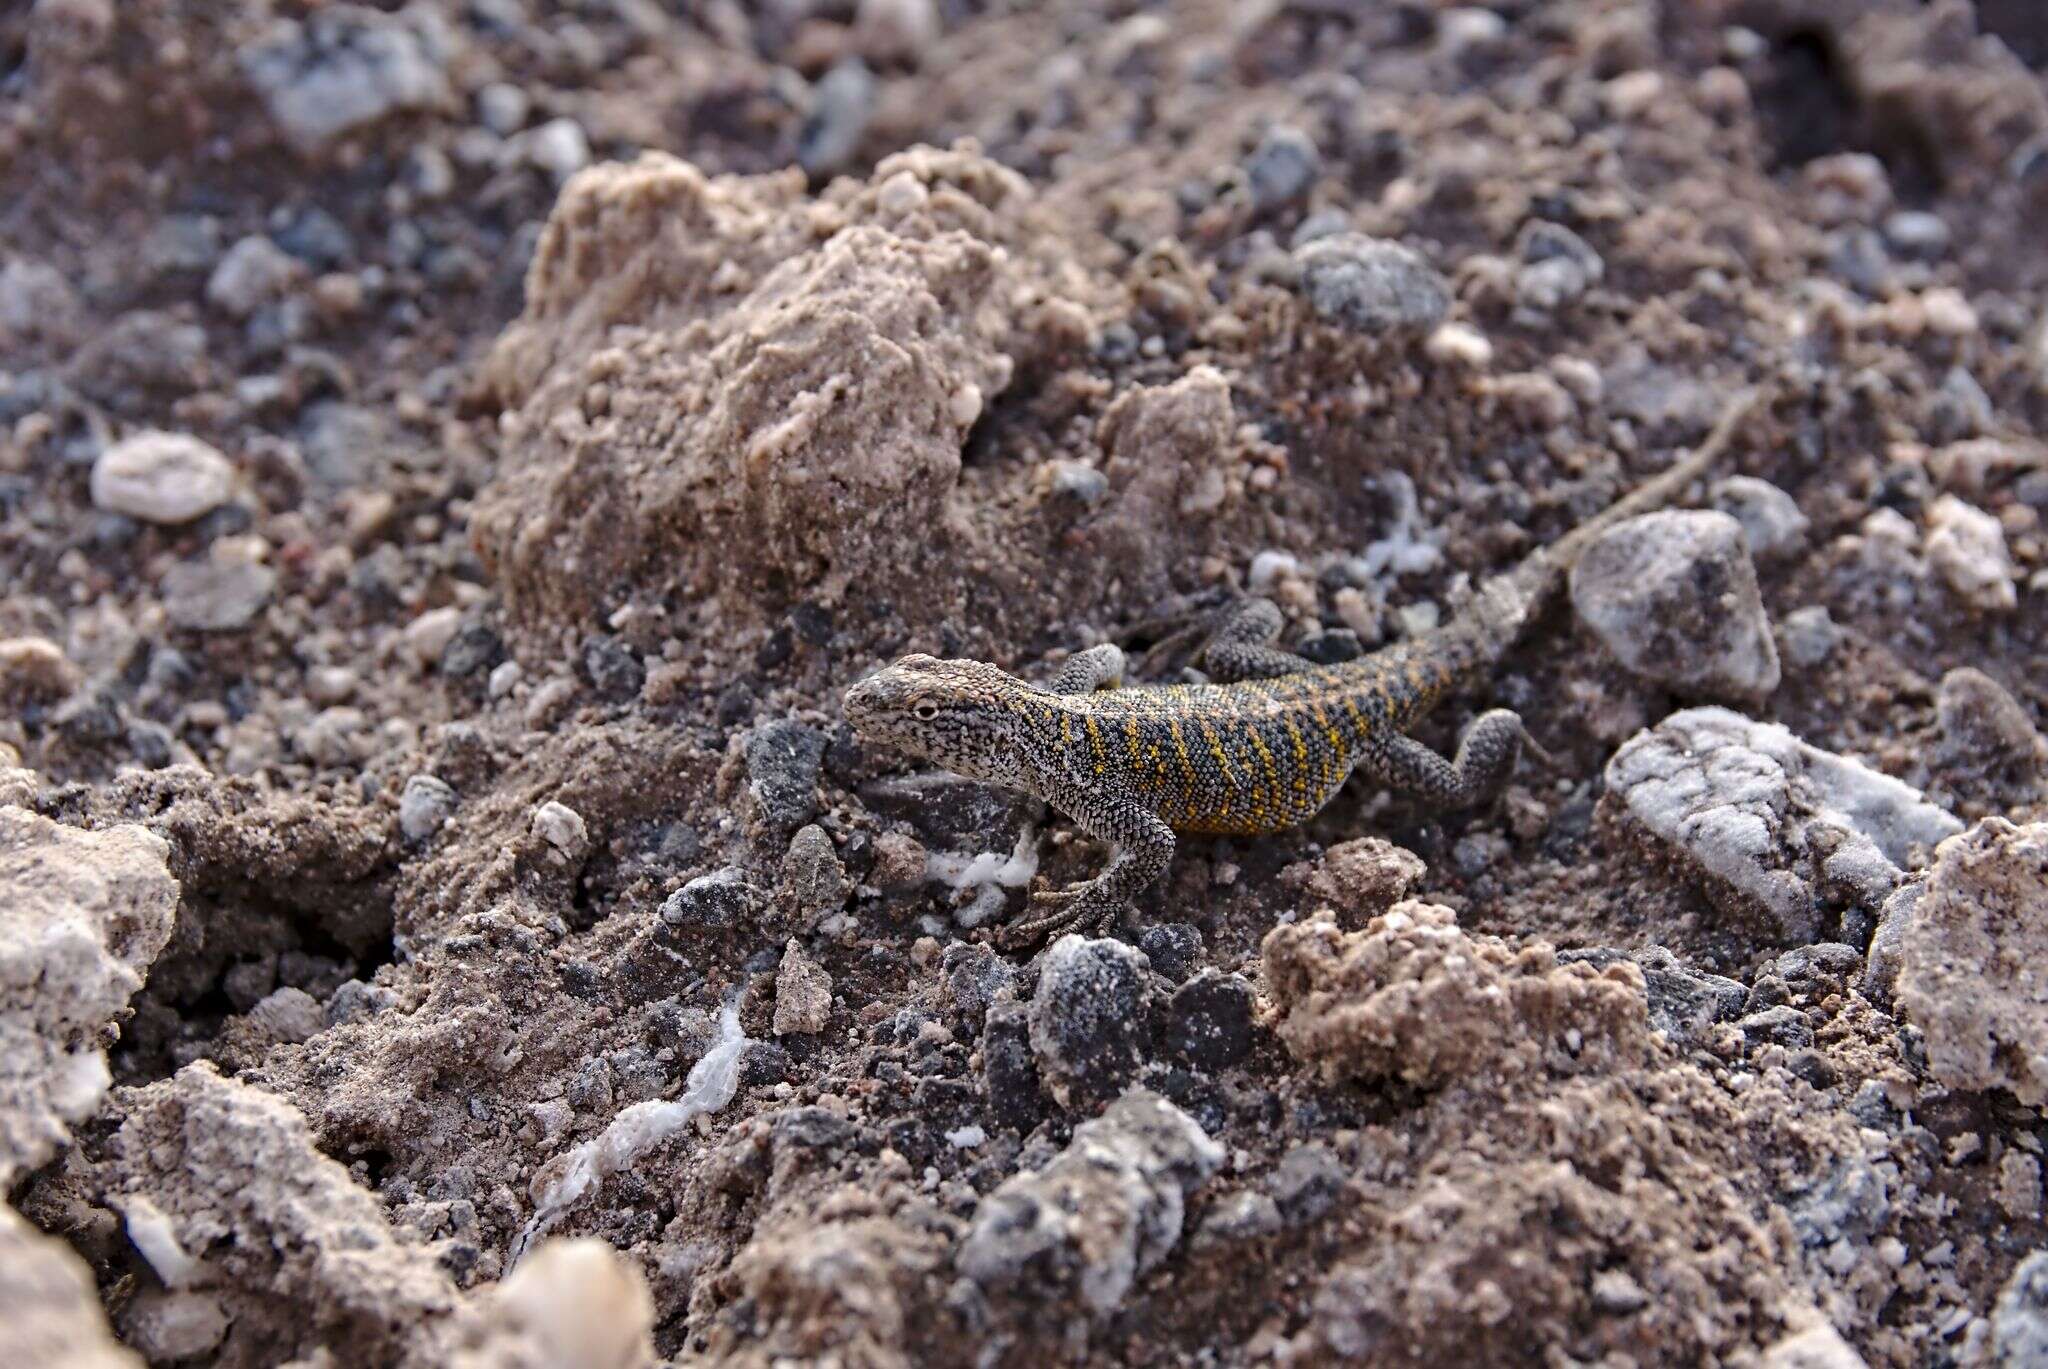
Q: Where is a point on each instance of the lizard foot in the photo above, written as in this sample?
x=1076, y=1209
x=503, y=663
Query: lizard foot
x=1054, y=911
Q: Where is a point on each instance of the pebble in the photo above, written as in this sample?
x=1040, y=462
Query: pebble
x=1809, y=636
x=722, y=898
x=429, y=633
x=841, y=105
x=812, y=877
x=1088, y=1019
x=559, y=147
x=217, y=595
x=1766, y=823
x=1558, y=266
x=1459, y=344
x=2019, y=1320
x=1209, y=1020
x=505, y=677
x=36, y=301
x=502, y=107
x=160, y=477
x=289, y=1014
x=896, y=30
x=34, y=669
x=1100, y=1215
x=1673, y=595
x=347, y=68
x=1372, y=285
x=1918, y=234
x=1770, y=518
x=423, y=806
x=1171, y=947
x=1966, y=548
x=1282, y=169
x=783, y=763
x=562, y=828
x=613, y=670
x=803, y=993
x=255, y=272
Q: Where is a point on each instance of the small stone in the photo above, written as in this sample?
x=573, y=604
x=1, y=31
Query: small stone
x=1966, y=548
x=901, y=863
x=347, y=67
x=975, y=978
x=1246, y=1215
x=803, y=993
x=34, y=670
x=504, y=678
x=1764, y=822
x=2019, y=1185
x=613, y=670
x=1172, y=947
x=1616, y=1292
x=1365, y=876
x=1088, y=1019
x=1209, y=1020
x=429, y=633
x=1984, y=728
x=1282, y=169
x=1770, y=518
x=720, y=899
x=1306, y=1183
x=217, y=595
x=1101, y=1214
x=896, y=30
x=559, y=147
x=1459, y=344
x=1817, y=1347
x=1968, y=957
x=841, y=105
x=1673, y=595
x=255, y=272
x=783, y=763
x=1918, y=234
x=2019, y=1319
x=36, y=302
x=1558, y=266
x=1957, y=410
x=423, y=806
x=502, y=108
x=1809, y=636
x=161, y=478
x=1009, y=1070
x=1780, y=1026
x=812, y=877
x=1372, y=285
x=561, y=827
x=289, y=1014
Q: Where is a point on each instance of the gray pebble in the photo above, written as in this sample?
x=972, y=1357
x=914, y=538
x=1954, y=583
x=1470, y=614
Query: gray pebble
x=1282, y=169
x=1770, y=518
x=423, y=806
x=1372, y=285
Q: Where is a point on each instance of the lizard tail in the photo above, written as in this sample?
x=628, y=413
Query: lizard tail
x=1507, y=602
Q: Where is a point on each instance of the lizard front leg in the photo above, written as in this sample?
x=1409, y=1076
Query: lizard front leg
x=1142, y=846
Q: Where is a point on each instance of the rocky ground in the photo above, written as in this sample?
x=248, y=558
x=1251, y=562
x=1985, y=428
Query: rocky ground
x=453, y=457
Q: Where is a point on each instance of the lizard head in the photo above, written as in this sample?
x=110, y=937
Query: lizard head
x=960, y=714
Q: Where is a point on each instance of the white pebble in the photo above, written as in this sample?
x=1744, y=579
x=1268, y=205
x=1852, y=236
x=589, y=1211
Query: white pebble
x=161, y=478
x=561, y=827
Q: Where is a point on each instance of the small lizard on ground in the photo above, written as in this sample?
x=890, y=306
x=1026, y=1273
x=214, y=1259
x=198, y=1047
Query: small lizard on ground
x=1260, y=750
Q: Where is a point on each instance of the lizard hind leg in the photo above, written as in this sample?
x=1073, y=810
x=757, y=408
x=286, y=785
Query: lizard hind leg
x=1486, y=755
x=1241, y=647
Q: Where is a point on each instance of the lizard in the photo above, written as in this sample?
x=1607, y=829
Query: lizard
x=1260, y=747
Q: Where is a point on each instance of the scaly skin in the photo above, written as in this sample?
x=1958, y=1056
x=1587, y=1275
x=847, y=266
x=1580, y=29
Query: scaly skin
x=1260, y=751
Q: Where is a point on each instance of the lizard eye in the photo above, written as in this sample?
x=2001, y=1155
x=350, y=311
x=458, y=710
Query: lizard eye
x=926, y=712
